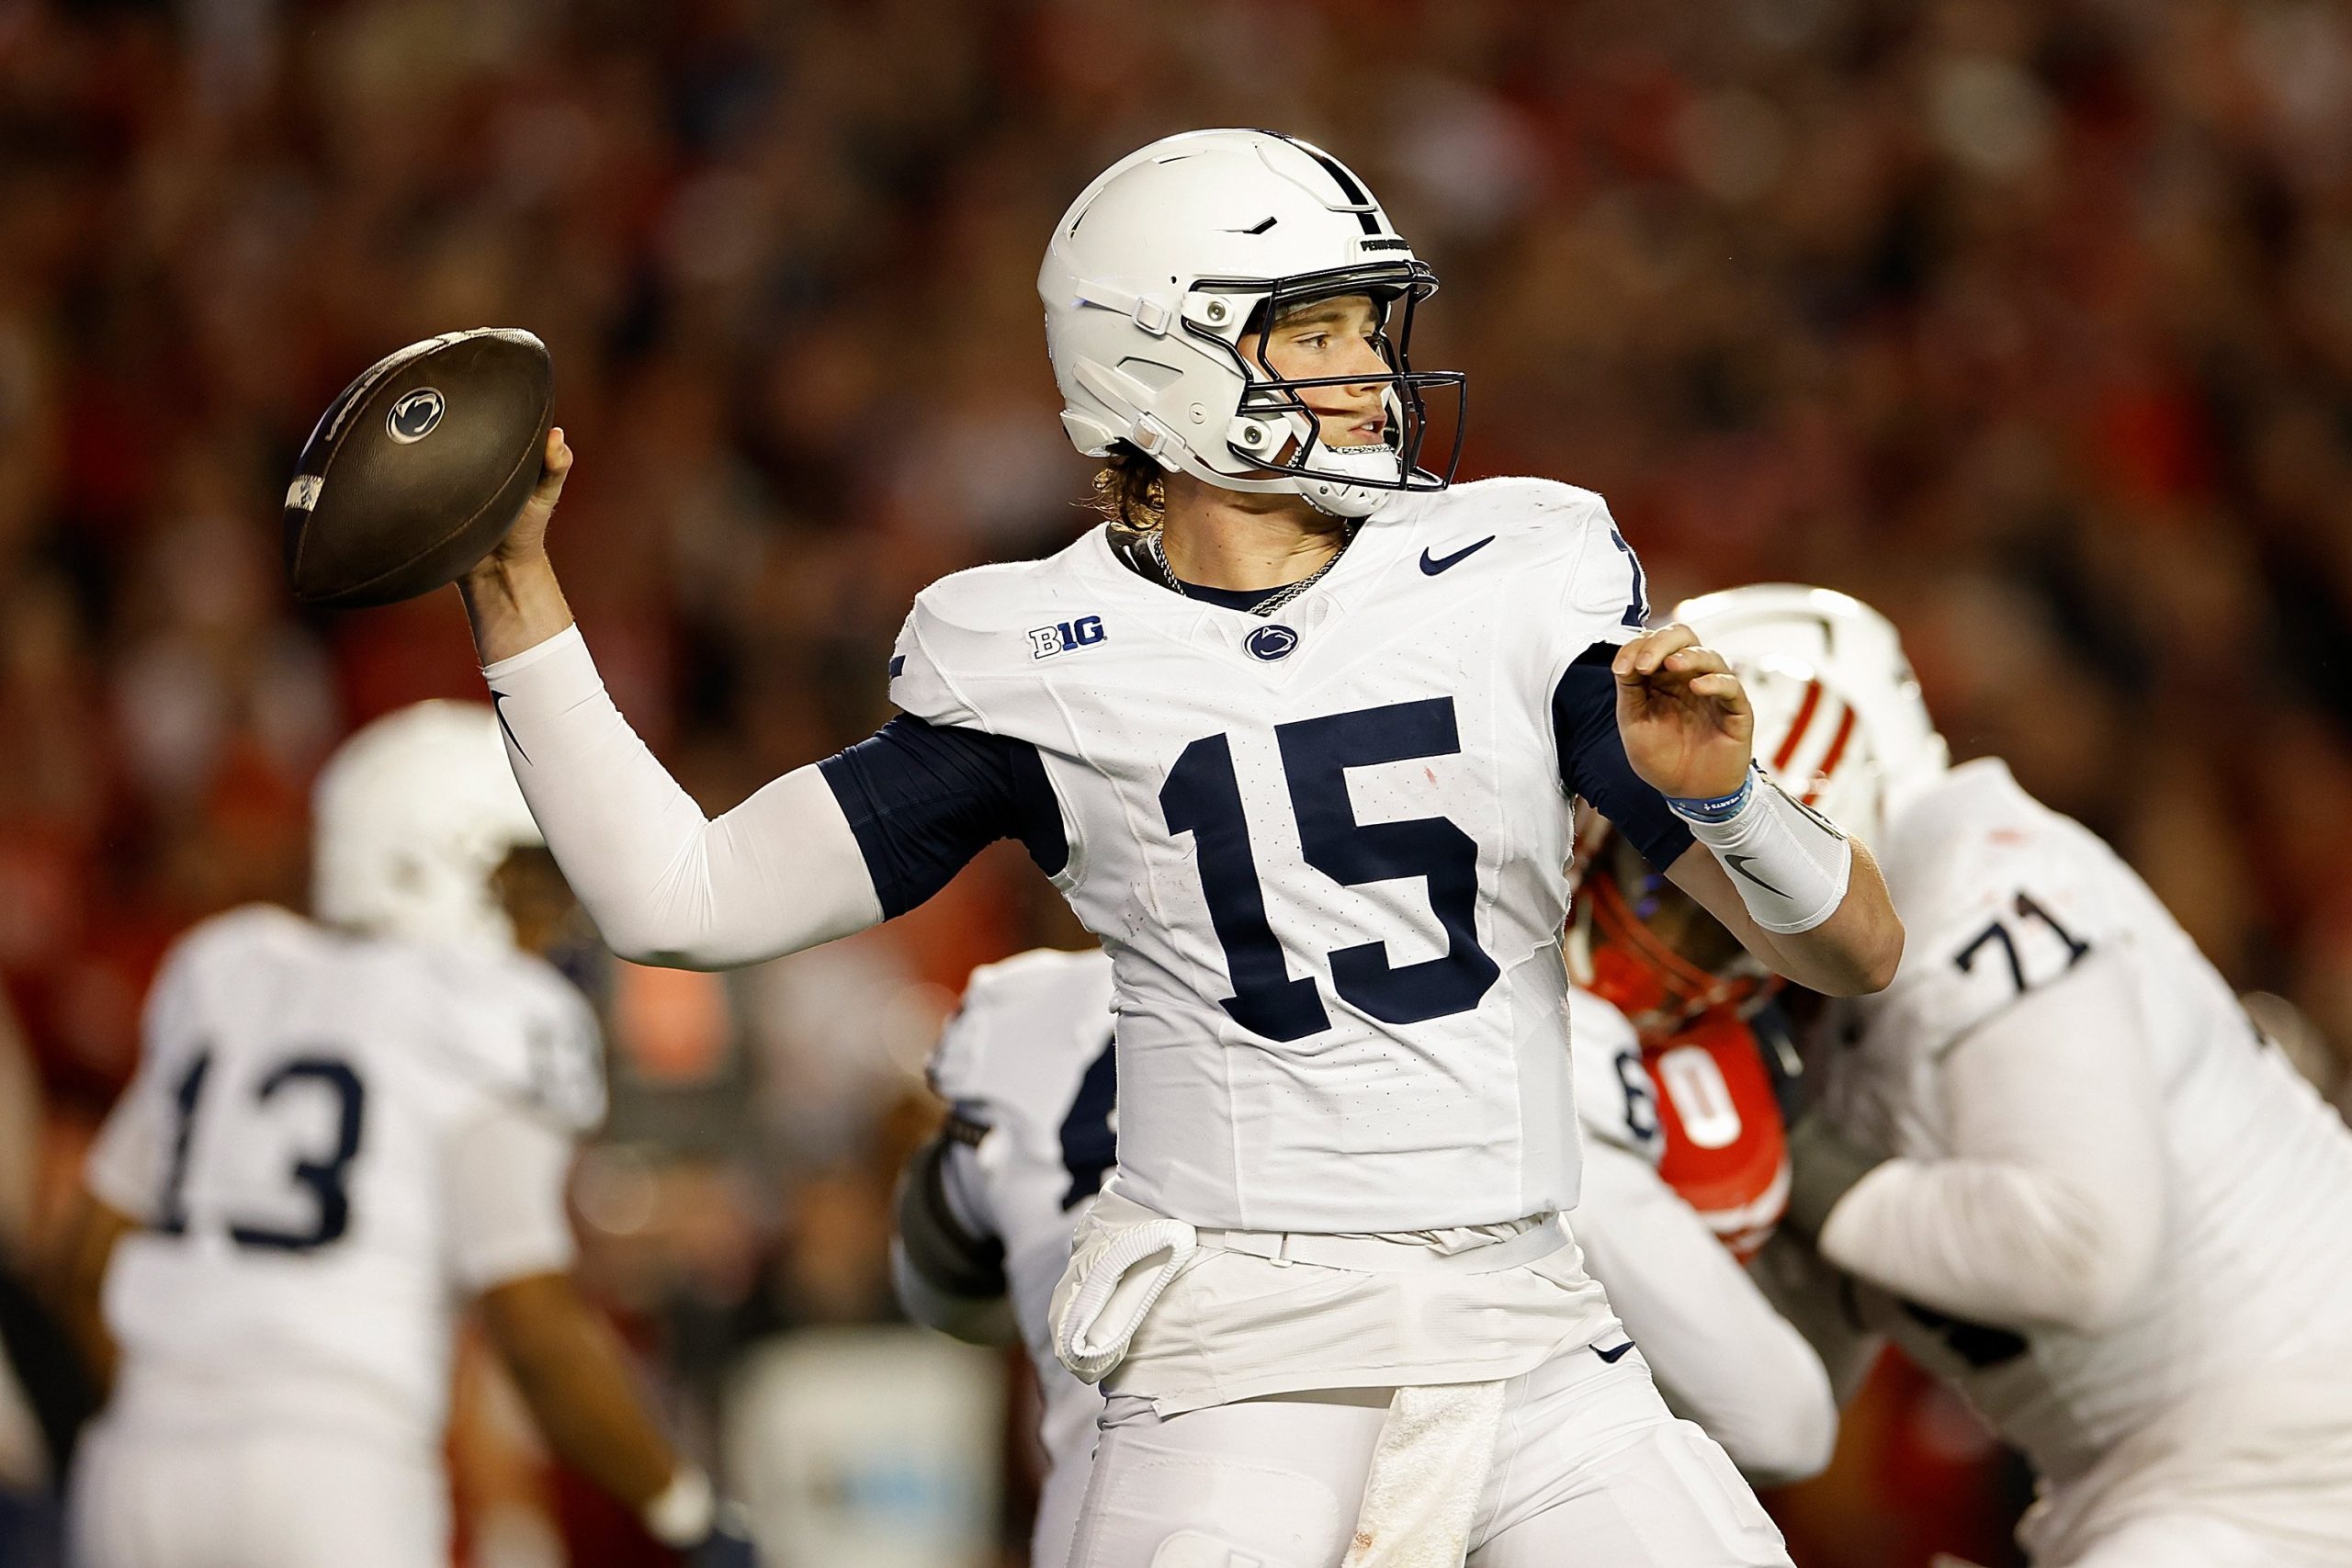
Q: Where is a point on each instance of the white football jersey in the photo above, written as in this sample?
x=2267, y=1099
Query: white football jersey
x=1616, y=1099
x=287, y=1145
x=1028, y=1056
x=1325, y=849
x=1999, y=895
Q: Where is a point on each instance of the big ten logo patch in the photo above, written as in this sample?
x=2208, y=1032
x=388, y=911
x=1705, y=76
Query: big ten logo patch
x=1064, y=636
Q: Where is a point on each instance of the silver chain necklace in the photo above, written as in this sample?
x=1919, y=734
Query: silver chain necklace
x=1272, y=601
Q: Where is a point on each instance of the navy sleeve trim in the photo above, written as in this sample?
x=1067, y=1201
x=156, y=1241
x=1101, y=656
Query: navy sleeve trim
x=1593, y=763
x=923, y=799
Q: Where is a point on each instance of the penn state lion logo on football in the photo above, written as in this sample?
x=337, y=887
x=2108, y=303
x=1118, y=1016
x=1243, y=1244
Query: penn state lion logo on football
x=415, y=415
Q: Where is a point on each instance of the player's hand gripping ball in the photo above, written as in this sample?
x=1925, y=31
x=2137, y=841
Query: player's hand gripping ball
x=418, y=469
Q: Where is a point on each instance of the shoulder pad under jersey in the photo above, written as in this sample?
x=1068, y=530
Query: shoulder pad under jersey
x=1616, y=1101
x=519, y=1028
x=1565, y=547
x=990, y=621
x=1999, y=895
x=219, y=952
x=1509, y=504
x=1028, y=1030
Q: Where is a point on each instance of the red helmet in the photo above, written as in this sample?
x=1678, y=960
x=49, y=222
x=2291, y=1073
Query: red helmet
x=1649, y=948
x=1689, y=988
x=1726, y=1147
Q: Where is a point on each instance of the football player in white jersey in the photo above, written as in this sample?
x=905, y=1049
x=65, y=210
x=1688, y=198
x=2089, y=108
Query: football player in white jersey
x=2054, y=1160
x=341, y=1131
x=1300, y=749
x=987, y=1208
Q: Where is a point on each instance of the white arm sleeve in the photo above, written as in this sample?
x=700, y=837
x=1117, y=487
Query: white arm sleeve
x=665, y=885
x=1722, y=1355
x=2050, y=1208
x=503, y=1177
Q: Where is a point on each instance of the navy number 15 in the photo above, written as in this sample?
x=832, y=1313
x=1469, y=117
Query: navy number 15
x=1203, y=799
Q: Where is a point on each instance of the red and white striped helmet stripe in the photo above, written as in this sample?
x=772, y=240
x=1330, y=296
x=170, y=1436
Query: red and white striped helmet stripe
x=1818, y=736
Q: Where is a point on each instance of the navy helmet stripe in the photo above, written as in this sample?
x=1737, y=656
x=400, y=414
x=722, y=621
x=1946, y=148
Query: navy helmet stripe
x=1350, y=192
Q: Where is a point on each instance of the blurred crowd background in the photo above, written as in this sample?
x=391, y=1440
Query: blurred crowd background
x=2030, y=323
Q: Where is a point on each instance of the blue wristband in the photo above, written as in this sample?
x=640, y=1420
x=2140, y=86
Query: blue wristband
x=1720, y=808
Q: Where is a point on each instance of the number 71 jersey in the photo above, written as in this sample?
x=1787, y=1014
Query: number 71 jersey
x=1326, y=849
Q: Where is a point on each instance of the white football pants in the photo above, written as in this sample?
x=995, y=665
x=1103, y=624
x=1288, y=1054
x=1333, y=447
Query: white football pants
x=1591, y=1471
x=274, y=1499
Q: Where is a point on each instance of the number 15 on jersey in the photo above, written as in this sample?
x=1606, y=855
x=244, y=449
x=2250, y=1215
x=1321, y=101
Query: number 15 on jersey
x=1202, y=797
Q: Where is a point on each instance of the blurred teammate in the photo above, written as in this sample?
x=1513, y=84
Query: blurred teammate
x=2054, y=1160
x=987, y=1208
x=1298, y=744
x=340, y=1133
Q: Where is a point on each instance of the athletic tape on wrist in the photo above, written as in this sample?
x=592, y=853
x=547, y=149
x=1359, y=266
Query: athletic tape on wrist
x=1790, y=865
x=681, y=1516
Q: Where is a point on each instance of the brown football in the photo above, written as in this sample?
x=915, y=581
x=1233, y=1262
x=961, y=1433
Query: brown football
x=419, y=469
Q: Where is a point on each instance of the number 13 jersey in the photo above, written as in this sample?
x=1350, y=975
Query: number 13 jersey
x=298, y=1148
x=1325, y=847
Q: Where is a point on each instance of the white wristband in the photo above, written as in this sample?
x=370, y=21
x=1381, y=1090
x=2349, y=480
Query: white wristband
x=1790, y=865
x=683, y=1514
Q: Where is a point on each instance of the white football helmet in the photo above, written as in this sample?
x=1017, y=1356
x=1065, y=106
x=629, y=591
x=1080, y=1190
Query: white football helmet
x=409, y=817
x=1170, y=255
x=1839, y=721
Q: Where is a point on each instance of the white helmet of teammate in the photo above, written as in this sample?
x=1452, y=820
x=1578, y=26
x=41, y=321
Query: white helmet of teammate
x=1175, y=252
x=1839, y=721
x=409, y=817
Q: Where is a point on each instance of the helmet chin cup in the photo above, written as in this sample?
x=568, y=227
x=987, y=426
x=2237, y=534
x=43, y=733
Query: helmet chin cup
x=1379, y=465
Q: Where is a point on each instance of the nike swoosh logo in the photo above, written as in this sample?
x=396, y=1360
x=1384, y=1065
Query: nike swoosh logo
x=498, y=707
x=1613, y=1352
x=1738, y=863
x=1433, y=565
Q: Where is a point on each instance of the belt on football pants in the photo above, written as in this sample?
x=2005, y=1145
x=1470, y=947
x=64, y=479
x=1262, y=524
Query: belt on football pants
x=1393, y=1254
